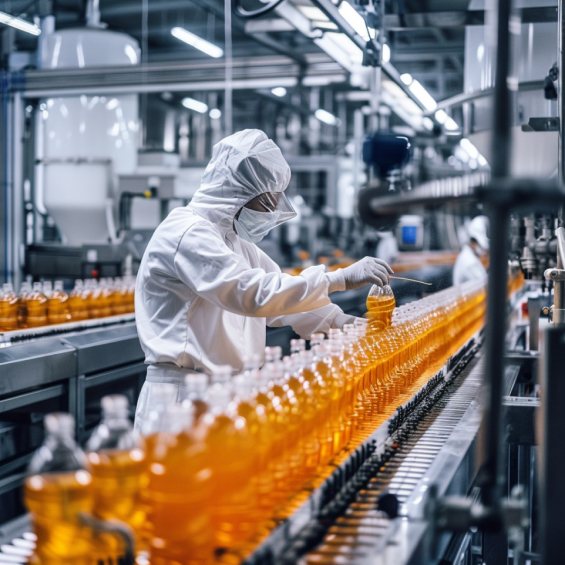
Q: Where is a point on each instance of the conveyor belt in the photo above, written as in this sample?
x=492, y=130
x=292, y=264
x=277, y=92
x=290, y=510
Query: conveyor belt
x=363, y=530
x=345, y=525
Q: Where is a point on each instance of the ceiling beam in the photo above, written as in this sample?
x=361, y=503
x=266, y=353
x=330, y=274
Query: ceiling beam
x=461, y=18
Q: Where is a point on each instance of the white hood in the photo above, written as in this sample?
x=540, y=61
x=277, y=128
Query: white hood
x=243, y=166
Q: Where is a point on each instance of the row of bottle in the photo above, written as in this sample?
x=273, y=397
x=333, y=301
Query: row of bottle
x=215, y=472
x=43, y=304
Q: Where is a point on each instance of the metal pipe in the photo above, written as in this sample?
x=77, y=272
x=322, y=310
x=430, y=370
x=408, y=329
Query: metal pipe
x=499, y=217
x=559, y=285
x=560, y=235
x=228, y=90
x=561, y=101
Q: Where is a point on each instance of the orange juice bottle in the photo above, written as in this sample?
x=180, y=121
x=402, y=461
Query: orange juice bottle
x=180, y=517
x=78, y=302
x=306, y=417
x=25, y=291
x=57, y=492
x=8, y=308
x=278, y=431
x=117, y=464
x=260, y=436
x=105, y=299
x=36, y=304
x=57, y=305
x=91, y=298
x=230, y=451
x=323, y=399
x=329, y=370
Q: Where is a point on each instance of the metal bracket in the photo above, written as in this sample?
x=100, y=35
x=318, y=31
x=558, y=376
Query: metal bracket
x=541, y=124
x=555, y=275
x=460, y=513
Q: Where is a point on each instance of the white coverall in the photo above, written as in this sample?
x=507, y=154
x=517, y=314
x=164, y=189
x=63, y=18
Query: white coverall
x=203, y=295
x=468, y=266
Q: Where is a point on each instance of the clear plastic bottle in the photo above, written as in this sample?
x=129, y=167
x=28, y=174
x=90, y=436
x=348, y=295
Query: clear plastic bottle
x=307, y=419
x=117, y=463
x=25, y=291
x=36, y=304
x=8, y=308
x=179, y=500
x=78, y=302
x=57, y=492
x=230, y=459
x=260, y=439
x=380, y=305
x=105, y=299
x=58, y=305
x=277, y=429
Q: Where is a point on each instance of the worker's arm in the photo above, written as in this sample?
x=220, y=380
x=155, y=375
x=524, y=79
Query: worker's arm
x=306, y=323
x=318, y=320
x=213, y=271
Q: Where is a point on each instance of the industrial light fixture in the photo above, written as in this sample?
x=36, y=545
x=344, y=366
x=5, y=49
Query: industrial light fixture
x=279, y=91
x=426, y=99
x=18, y=23
x=215, y=113
x=326, y=117
x=197, y=42
x=471, y=150
x=446, y=121
x=406, y=78
x=354, y=19
x=196, y=105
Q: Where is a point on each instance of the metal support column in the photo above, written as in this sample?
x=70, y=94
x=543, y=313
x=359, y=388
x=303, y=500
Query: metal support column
x=499, y=216
x=552, y=469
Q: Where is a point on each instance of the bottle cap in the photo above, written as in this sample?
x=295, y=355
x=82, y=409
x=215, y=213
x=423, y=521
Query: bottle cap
x=297, y=345
x=273, y=353
x=251, y=362
x=60, y=424
x=196, y=385
x=317, y=338
x=115, y=404
x=218, y=396
x=221, y=374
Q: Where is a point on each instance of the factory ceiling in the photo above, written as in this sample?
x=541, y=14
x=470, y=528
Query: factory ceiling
x=426, y=37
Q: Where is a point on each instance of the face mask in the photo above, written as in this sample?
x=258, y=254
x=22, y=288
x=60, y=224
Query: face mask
x=254, y=226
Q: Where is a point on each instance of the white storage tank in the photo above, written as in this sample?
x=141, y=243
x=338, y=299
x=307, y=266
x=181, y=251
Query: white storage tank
x=85, y=142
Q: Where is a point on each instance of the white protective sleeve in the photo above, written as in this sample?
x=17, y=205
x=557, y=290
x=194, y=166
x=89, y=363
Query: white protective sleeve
x=319, y=320
x=213, y=271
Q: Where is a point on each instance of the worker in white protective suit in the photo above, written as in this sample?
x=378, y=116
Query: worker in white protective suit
x=205, y=292
x=469, y=266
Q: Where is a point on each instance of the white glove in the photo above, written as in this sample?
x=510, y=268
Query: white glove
x=368, y=270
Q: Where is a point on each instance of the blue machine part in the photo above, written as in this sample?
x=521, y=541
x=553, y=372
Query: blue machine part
x=386, y=152
x=409, y=235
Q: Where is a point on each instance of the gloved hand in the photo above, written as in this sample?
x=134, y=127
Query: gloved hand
x=368, y=270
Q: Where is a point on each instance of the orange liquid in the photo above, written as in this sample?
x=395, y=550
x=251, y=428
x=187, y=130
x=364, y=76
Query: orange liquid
x=55, y=502
x=262, y=473
x=58, y=308
x=78, y=305
x=118, y=478
x=8, y=312
x=233, y=505
x=36, y=305
x=180, y=515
